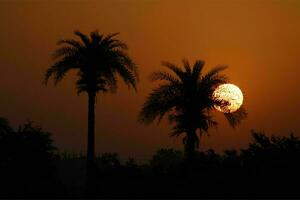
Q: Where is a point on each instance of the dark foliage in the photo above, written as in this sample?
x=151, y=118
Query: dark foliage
x=269, y=167
x=97, y=58
x=26, y=166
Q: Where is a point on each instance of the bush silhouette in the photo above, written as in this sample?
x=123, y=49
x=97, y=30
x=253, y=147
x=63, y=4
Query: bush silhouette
x=166, y=160
x=26, y=157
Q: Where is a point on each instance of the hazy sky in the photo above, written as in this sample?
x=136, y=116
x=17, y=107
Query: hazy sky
x=258, y=39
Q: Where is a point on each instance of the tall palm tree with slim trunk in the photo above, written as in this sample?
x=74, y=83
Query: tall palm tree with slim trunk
x=98, y=59
x=186, y=96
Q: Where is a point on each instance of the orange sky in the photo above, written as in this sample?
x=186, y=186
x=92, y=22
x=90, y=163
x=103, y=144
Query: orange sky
x=258, y=39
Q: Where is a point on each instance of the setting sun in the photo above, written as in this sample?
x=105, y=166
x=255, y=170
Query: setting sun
x=231, y=95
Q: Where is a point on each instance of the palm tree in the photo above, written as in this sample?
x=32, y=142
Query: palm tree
x=186, y=96
x=98, y=60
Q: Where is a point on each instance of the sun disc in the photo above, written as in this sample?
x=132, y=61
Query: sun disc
x=230, y=95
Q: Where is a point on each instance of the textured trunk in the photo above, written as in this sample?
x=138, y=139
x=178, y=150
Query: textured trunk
x=90, y=165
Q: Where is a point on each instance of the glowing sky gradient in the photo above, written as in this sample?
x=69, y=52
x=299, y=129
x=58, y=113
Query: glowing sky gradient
x=258, y=39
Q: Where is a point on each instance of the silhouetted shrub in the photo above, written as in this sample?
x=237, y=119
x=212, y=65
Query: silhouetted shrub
x=166, y=160
x=26, y=161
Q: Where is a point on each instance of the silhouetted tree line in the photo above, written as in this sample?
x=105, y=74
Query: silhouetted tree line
x=269, y=166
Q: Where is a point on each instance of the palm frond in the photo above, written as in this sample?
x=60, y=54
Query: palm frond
x=198, y=66
x=110, y=36
x=96, y=38
x=236, y=117
x=70, y=42
x=65, y=51
x=211, y=80
x=115, y=44
x=175, y=69
x=216, y=70
x=60, y=68
x=213, y=77
x=100, y=85
x=85, y=39
x=127, y=75
x=122, y=57
x=163, y=76
x=111, y=43
x=160, y=101
x=187, y=66
x=177, y=131
x=111, y=83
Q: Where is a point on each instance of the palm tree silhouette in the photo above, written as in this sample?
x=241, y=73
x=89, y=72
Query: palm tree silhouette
x=186, y=96
x=98, y=59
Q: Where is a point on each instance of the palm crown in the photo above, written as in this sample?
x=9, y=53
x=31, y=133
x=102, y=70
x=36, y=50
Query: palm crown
x=98, y=59
x=186, y=96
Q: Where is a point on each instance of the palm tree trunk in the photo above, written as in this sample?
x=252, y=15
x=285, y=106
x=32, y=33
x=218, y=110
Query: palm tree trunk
x=190, y=146
x=90, y=165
